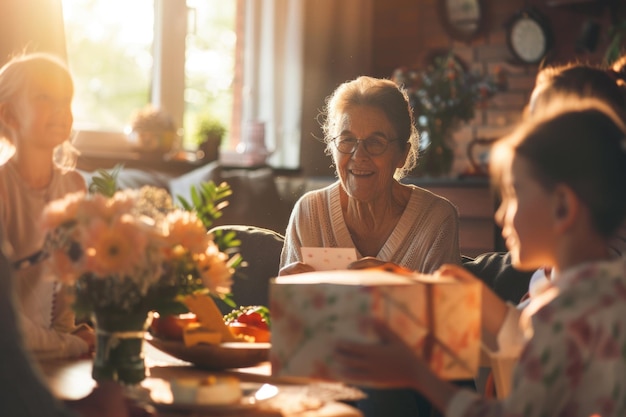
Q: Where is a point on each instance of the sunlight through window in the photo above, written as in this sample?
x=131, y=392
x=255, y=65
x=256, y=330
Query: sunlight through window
x=111, y=52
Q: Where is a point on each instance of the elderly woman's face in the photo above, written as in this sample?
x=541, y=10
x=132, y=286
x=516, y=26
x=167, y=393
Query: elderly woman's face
x=365, y=176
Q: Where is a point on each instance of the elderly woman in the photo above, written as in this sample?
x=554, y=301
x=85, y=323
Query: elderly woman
x=369, y=133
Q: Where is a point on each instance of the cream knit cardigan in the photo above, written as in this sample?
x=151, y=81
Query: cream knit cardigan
x=426, y=236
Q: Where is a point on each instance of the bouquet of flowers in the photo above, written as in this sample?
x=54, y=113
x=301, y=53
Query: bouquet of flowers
x=134, y=251
x=125, y=254
x=442, y=95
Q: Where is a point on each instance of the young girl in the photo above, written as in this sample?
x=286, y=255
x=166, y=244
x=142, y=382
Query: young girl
x=35, y=121
x=563, y=196
x=585, y=81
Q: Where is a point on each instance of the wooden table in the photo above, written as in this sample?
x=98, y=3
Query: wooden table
x=71, y=379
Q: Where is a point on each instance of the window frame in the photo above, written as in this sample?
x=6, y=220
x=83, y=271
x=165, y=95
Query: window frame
x=168, y=70
x=168, y=77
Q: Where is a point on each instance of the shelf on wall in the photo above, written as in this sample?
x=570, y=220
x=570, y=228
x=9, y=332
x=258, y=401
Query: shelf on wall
x=557, y=3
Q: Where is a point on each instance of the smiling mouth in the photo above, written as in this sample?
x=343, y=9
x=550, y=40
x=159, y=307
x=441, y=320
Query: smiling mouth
x=360, y=173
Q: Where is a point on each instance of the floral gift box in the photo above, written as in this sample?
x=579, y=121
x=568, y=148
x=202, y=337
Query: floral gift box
x=439, y=317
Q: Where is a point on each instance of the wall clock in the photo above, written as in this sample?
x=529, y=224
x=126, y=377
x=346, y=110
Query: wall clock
x=528, y=36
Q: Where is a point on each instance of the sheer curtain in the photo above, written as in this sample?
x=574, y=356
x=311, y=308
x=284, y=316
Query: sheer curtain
x=273, y=74
x=297, y=52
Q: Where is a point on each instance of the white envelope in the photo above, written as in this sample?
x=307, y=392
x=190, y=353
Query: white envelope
x=328, y=259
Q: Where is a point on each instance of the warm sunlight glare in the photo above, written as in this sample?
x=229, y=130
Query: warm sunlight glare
x=133, y=19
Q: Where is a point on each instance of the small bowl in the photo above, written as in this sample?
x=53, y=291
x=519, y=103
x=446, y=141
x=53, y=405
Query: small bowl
x=184, y=390
x=212, y=390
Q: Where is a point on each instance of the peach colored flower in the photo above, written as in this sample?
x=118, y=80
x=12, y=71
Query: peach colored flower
x=215, y=272
x=62, y=210
x=99, y=206
x=176, y=254
x=133, y=237
x=186, y=229
x=114, y=248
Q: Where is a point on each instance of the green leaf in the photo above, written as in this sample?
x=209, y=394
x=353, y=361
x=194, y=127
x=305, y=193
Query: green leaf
x=105, y=182
x=207, y=200
x=169, y=307
x=236, y=261
x=226, y=241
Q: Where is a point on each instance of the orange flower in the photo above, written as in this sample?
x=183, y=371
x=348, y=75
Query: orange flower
x=186, y=229
x=62, y=210
x=108, y=208
x=114, y=248
x=214, y=270
x=137, y=242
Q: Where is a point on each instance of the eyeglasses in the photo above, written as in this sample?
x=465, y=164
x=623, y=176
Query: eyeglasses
x=373, y=145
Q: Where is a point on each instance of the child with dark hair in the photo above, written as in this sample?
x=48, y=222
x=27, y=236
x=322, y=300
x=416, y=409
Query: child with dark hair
x=583, y=81
x=561, y=176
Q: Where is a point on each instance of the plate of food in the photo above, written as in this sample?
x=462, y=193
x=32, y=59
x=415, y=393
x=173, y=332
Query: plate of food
x=212, y=394
x=207, y=339
x=215, y=356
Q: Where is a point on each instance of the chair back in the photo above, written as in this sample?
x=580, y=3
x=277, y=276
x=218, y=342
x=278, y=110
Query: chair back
x=260, y=249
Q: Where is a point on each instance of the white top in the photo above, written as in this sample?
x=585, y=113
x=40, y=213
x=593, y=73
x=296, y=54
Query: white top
x=426, y=236
x=572, y=362
x=46, y=314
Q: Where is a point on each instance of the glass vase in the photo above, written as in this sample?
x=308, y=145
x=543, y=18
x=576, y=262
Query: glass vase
x=119, y=352
x=437, y=159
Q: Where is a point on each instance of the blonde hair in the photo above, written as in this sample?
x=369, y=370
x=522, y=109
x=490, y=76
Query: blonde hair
x=382, y=94
x=15, y=76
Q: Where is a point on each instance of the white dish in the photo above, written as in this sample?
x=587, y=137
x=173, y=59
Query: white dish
x=253, y=394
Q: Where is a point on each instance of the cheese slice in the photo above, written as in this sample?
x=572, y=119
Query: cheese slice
x=194, y=334
x=209, y=316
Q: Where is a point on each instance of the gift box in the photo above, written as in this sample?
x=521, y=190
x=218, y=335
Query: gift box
x=438, y=317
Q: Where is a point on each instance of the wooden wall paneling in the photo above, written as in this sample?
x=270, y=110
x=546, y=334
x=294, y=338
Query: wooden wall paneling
x=476, y=208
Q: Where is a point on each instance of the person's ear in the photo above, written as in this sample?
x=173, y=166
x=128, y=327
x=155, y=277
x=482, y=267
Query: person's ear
x=565, y=207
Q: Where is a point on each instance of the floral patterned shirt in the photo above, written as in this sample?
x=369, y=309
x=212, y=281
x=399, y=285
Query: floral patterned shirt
x=574, y=363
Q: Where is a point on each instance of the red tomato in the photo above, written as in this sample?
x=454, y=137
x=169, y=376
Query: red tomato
x=253, y=319
x=259, y=334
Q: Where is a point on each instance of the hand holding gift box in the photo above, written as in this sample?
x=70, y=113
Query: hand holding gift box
x=439, y=317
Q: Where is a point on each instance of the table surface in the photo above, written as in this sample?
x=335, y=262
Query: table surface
x=71, y=379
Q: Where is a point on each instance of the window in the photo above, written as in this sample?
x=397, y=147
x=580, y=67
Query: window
x=238, y=60
x=174, y=54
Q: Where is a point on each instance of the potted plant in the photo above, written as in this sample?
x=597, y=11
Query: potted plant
x=209, y=134
x=152, y=130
